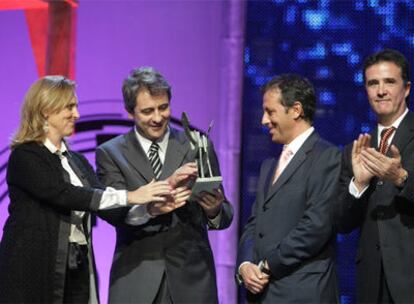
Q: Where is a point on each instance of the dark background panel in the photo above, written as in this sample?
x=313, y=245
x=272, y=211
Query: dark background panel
x=326, y=41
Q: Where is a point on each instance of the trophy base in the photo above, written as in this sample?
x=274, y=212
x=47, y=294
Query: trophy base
x=206, y=184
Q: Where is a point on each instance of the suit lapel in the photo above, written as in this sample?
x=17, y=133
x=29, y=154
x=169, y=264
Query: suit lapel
x=81, y=172
x=374, y=139
x=177, y=149
x=293, y=165
x=78, y=168
x=269, y=177
x=135, y=155
x=404, y=133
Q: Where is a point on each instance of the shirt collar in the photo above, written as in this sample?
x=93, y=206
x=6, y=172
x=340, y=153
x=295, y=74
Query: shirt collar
x=52, y=148
x=295, y=145
x=395, y=124
x=146, y=143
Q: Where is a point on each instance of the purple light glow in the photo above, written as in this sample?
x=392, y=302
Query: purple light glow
x=197, y=45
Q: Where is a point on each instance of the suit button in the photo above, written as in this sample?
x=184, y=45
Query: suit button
x=380, y=183
x=261, y=235
x=377, y=246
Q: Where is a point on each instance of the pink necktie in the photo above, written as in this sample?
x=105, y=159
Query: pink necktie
x=283, y=160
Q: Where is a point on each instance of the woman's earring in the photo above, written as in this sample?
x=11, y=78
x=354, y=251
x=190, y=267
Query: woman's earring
x=46, y=127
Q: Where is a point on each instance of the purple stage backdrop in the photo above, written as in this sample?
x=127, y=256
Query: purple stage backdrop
x=197, y=45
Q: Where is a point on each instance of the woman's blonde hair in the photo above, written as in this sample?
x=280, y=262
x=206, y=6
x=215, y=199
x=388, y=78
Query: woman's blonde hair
x=49, y=94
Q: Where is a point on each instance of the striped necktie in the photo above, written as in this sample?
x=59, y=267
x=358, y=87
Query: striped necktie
x=155, y=160
x=385, y=135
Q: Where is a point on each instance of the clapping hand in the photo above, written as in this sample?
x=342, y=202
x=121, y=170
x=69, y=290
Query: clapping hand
x=382, y=166
x=362, y=173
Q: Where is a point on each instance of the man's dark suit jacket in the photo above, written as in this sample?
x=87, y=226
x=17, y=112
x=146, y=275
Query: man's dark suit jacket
x=34, y=247
x=175, y=243
x=291, y=226
x=385, y=215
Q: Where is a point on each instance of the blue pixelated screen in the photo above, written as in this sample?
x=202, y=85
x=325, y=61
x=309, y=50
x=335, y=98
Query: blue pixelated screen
x=325, y=41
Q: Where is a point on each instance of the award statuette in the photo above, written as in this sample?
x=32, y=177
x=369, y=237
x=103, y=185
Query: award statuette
x=199, y=144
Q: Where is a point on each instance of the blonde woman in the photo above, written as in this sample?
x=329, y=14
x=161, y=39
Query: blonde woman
x=46, y=252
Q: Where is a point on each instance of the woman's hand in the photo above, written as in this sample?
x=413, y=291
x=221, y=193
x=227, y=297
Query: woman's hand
x=152, y=192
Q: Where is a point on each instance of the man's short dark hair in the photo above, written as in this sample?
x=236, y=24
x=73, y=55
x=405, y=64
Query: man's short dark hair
x=389, y=55
x=294, y=87
x=141, y=79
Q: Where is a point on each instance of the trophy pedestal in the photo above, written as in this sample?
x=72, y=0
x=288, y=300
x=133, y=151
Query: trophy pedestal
x=206, y=184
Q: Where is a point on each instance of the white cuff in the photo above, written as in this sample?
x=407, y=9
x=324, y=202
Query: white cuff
x=138, y=215
x=112, y=198
x=353, y=190
x=215, y=222
x=246, y=262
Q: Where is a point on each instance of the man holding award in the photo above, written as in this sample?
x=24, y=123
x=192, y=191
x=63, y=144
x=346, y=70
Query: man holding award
x=162, y=253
